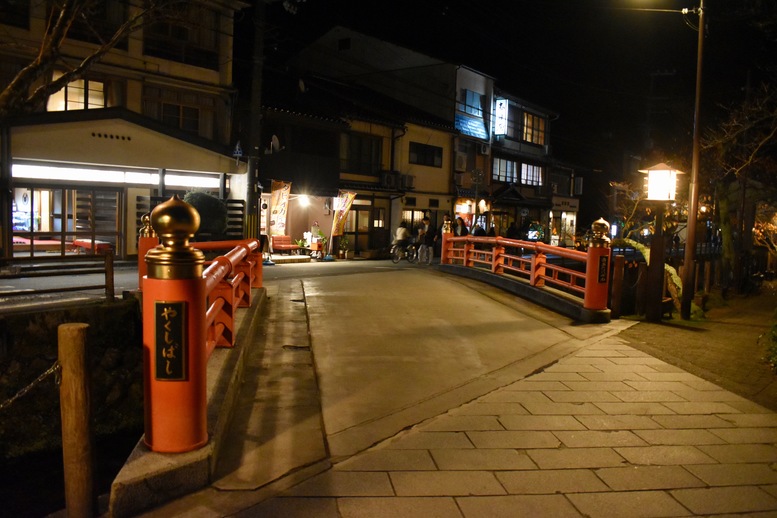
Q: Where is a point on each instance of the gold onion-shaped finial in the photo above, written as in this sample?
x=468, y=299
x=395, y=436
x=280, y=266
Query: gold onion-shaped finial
x=599, y=229
x=146, y=230
x=175, y=222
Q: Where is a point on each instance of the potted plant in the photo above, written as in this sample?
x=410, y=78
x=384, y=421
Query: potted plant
x=343, y=246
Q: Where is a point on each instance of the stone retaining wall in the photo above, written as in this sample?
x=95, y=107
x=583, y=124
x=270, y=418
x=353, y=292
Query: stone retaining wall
x=28, y=347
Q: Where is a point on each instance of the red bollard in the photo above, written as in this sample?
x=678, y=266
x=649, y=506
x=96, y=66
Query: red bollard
x=174, y=352
x=597, y=268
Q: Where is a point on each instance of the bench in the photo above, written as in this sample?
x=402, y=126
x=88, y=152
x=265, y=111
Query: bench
x=284, y=244
x=100, y=247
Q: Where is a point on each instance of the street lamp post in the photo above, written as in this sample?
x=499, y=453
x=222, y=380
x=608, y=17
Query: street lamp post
x=693, y=195
x=662, y=184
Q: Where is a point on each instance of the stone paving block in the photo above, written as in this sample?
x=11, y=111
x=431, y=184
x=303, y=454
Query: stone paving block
x=485, y=408
x=679, y=437
x=540, y=422
x=573, y=458
x=517, y=506
x=738, y=499
x=586, y=360
x=388, y=460
x=599, y=438
x=748, y=407
x=415, y=440
x=692, y=421
x=641, y=360
x=558, y=376
x=667, y=368
x=572, y=368
x=730, y=453
x=344, y=483
x=708, y=395
x=563, y=408
x=293, y=508
x=735, y=474
x=445, y=483
x=611, y=386
x=671, y=376
x=658, y=385
x=772, y=490
x=630, y=504
x=701, y=407
x=641, y=478
x=747, y=435
x=482, y=459
x=629, y=368
x=514, y=439
x=550, y=481
x=613, y=343
x=454, y=423
x=751, y=420
x=617, y=422
x=614, y=376
x=701, y=384
x=607, y=353
x=664, y=455
x=653, y=396
x=530, y=384
x=636, y=408
x=407, y=507
x=581, y=396
x=515, y=396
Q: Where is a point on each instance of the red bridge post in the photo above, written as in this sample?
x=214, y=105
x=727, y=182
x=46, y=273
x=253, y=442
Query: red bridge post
x=174, y=352
x=597, y=268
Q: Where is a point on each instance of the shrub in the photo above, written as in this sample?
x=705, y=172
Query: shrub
x=213, y=212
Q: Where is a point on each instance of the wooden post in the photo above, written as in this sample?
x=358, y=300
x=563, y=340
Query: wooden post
x=639, y=307
x=617, y=286
x=110, y=291
x=76, y=414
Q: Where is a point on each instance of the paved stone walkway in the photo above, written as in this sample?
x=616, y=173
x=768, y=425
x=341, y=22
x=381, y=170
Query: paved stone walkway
x=608, y=431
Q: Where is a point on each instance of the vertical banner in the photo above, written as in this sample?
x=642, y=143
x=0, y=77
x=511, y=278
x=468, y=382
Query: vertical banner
x=342, y=206
x=279, y=204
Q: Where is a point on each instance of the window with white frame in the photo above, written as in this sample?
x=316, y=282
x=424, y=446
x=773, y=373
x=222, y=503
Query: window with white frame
x=188, y=111
x=471, y=102
x=504, y=171
x=194, y=40
x=80, y=94
x=533, y=128
x=531, y=174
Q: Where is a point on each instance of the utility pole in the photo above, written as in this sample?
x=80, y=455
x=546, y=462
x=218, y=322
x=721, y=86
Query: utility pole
x=689, y=260
x=254, y=194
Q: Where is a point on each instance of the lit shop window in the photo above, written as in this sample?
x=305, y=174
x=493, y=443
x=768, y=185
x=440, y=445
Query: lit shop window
x=81, y=94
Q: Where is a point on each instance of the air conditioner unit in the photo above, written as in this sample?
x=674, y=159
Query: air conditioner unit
x=461, y=162
x=406, y=181
x=485, y=149
x=388, y=180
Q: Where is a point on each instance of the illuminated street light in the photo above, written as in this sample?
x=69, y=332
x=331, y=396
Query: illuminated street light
x=662, y=185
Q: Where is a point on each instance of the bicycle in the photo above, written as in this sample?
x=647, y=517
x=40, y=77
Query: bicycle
x=407, y=251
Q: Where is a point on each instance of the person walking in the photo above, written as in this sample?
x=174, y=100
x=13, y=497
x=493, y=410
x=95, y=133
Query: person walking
x=427, y=235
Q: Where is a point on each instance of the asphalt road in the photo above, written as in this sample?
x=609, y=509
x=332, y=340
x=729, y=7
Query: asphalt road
x=126, y=280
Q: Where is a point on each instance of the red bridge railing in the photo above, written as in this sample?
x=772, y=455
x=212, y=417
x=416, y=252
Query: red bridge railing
x=529, y=260
x=189, y=309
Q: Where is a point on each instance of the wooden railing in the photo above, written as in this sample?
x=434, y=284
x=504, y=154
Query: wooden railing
x=586, y=278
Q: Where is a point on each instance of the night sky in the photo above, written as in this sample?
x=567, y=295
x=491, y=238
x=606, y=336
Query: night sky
x=588, y=60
